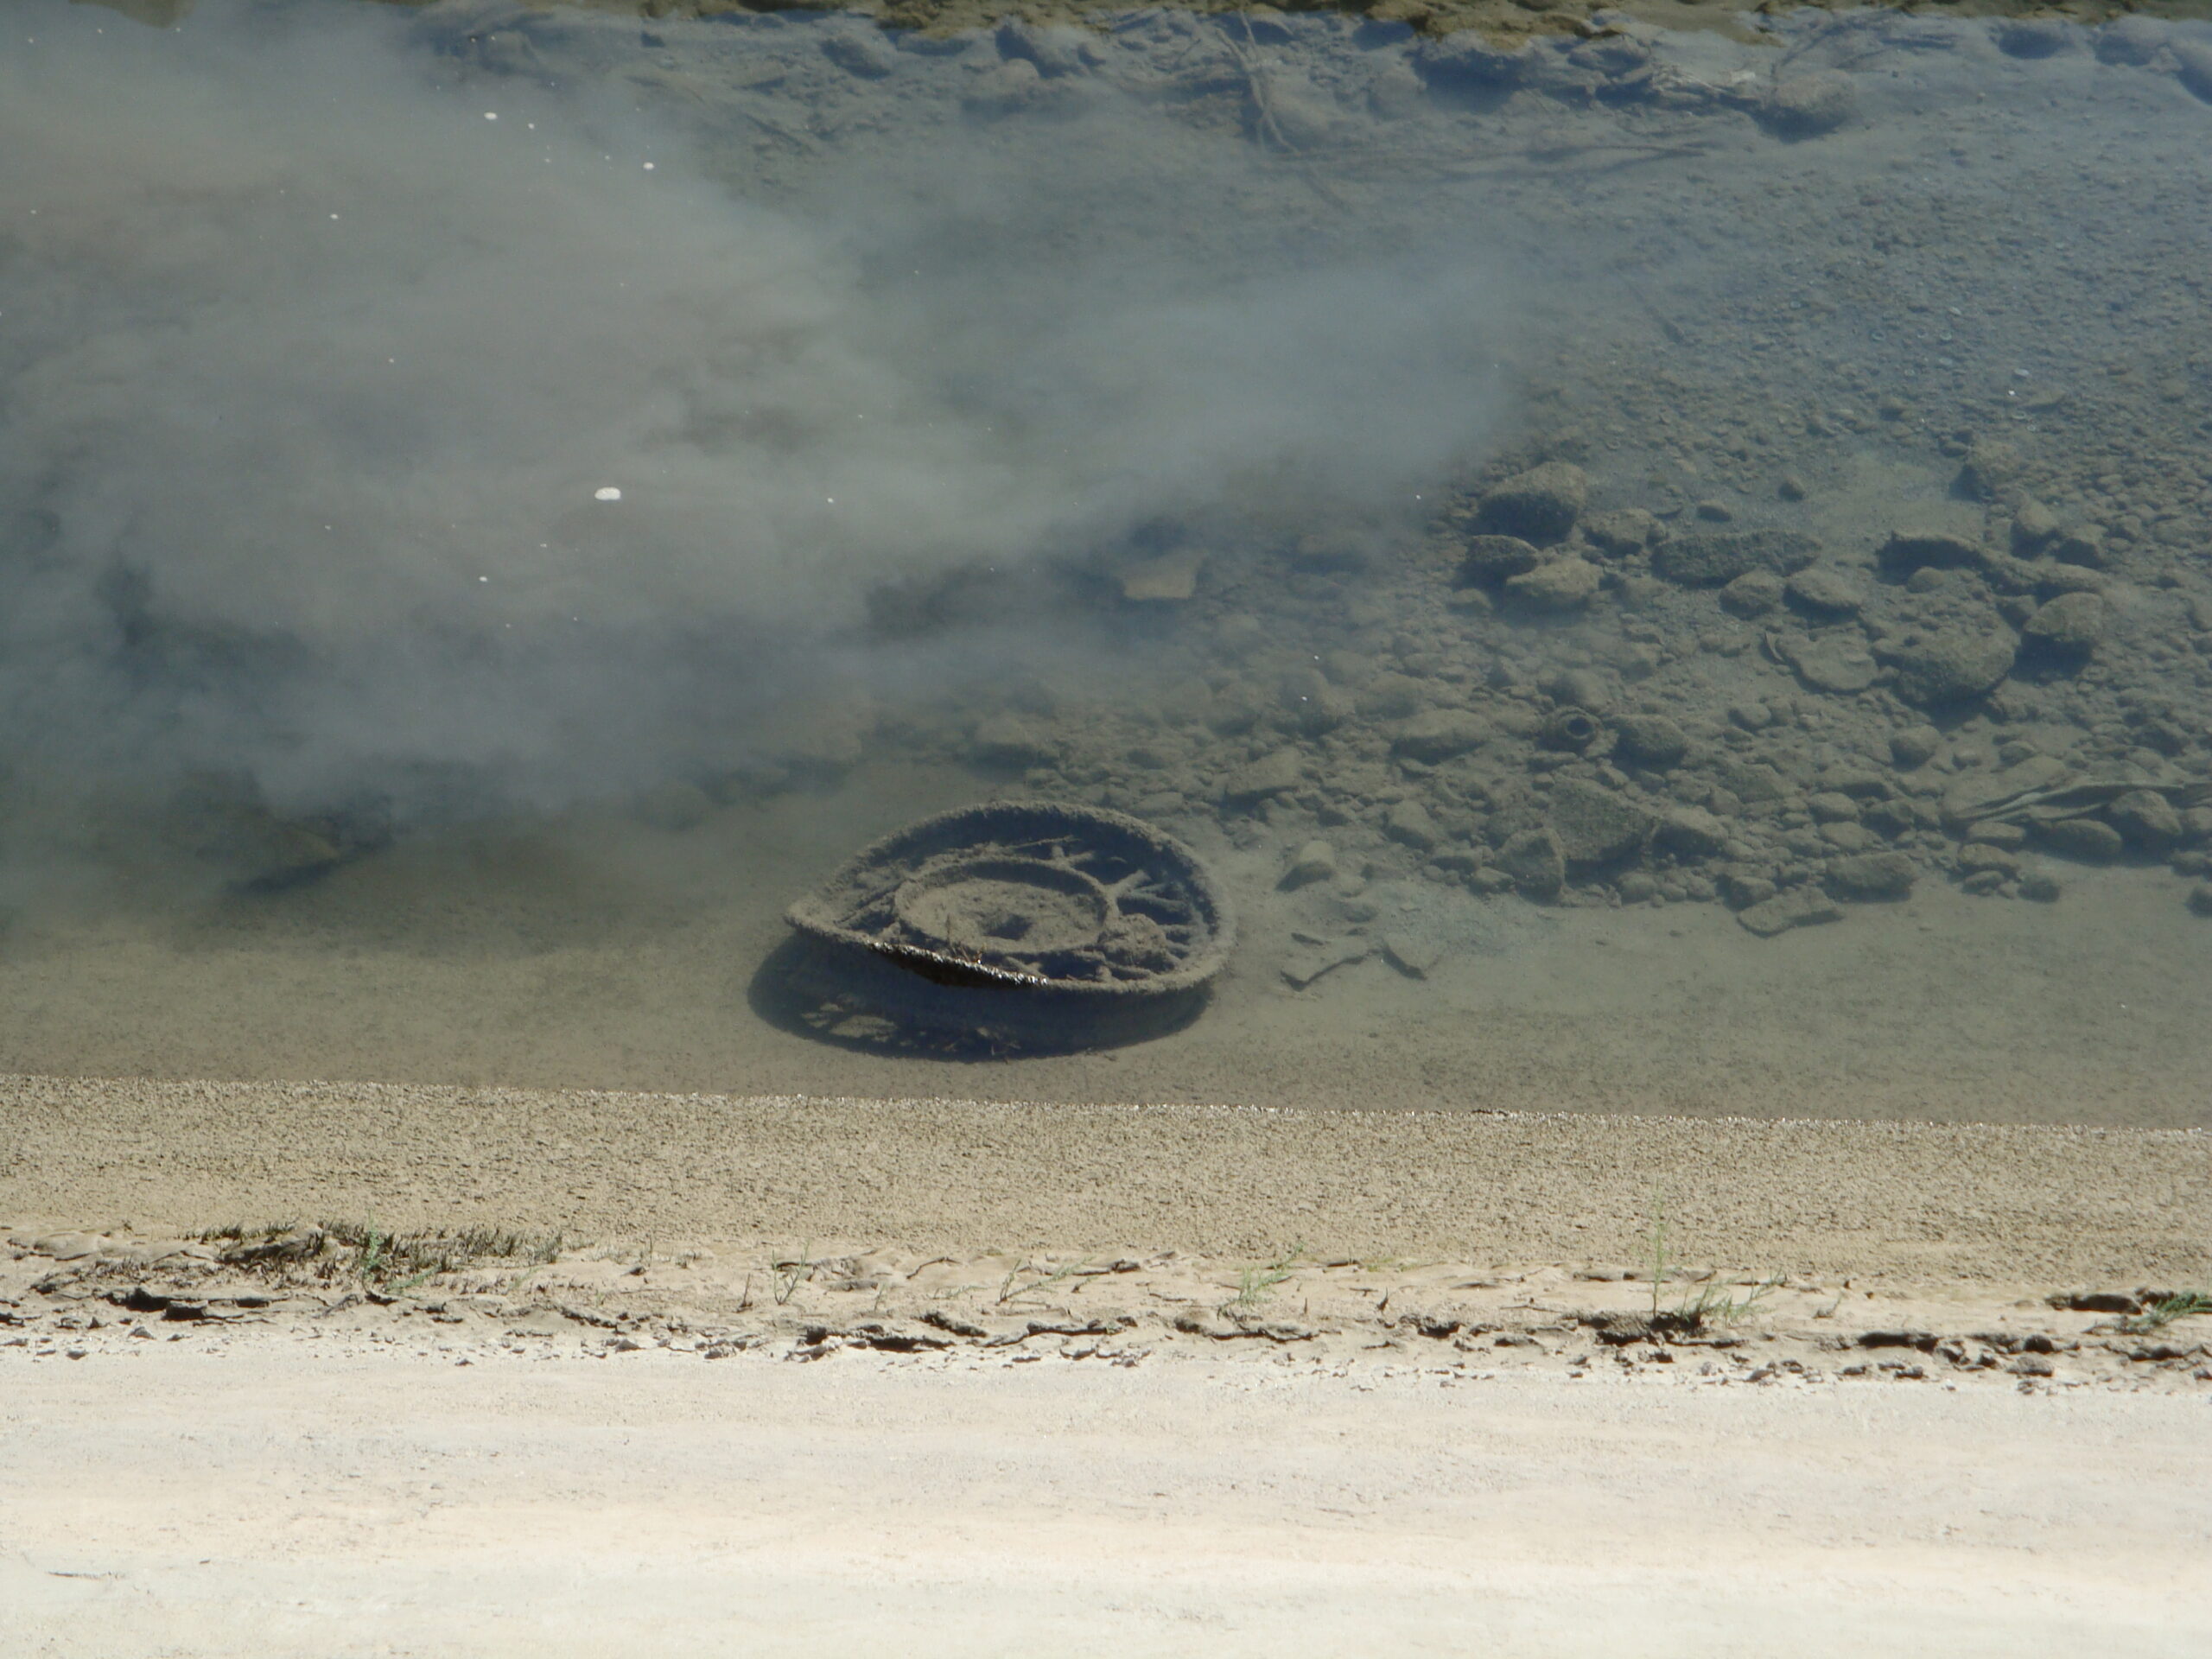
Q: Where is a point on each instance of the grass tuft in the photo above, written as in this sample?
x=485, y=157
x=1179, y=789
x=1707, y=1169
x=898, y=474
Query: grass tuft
x=2179, y=1304
x=1255, y=1284
x=1010, y=1292
x=361, y=1252
x=1711, y=1304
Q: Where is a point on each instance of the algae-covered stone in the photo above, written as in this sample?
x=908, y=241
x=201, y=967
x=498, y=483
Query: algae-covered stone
x=1909, y=551
x=1953, y=665
x=1315, y=861
x=1824, y=593
x=2070, y=625
x=1410, y=821
x=1749, y=780
x=1870, y=877
x=1390, y=697
x=1708, y=558
x=1650, y=740
x=1439, y=734
x=1557, y=585
x=2146, y=818
x=1802, y=907
x=1914, y=746
x=1753, y=594
x=1836, y=663
x=1539, y=505
x=1271, y=774
x=1310, y=704
x=1536, y=863
x=1492, y=559
x=1692, y=832
x=1630, y=529
x=1978, y=856
x=1596, y=825
x=1989, y=468
x=2082, y=545
x=2033, y=526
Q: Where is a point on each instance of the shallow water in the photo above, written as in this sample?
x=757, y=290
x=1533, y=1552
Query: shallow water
x=502, y=503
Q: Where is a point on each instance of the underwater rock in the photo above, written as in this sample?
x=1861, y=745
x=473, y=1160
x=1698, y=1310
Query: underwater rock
x=1831, y=806
x=1800, y=907
x=1989, y=467
x=1539, y=505
x=1838, y=664
x=1650, y=740
x=1910, y=551
x=1952, y=666
x=2193, y=67
x=1054, y=51
x=1271, y=774
x=1315, y=861
x=1914, y=746
x=863, y=52
x=1466, y=60
x=1753, y=594
x=2037, y=37
x=1622, y=532
x=1565, y=584
x=2084, y=545
x=1596, y=825
x=1582, y=687
x=1165, y=579
x=1003, y=88
x=1409, y=822
x=1441, y=733
x=1707, y=558
x=1005, y=740
x=2145, y=819
x=2134, y=42
x=1692, y=832
x=2068, y=627
x=1979, y=858
x=1535, y=862
x=1805, y=106
x=1493, y=559
x=1824, y=592
x=1311, y=704
x=1867, y=878
x=1390, y=697
x=2033, y=526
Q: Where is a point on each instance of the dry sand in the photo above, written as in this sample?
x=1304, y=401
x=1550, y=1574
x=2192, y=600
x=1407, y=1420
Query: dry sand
x=990, y=1378
x=305, y=1497
x=1989, y=1203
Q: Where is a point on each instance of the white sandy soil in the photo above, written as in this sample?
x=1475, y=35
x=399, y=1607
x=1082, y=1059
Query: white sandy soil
x=288, y=1499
